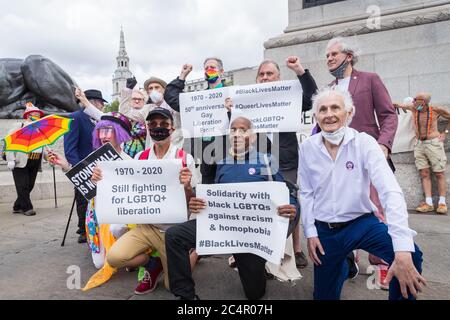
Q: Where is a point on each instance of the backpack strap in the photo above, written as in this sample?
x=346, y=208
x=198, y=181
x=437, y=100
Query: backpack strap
x=181, y=154
x=145, y=154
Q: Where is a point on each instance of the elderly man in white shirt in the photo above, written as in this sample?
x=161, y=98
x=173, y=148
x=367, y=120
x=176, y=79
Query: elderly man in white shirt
x=335, y=171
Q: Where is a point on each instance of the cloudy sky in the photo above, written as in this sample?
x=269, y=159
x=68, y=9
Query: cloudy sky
x=82, y=36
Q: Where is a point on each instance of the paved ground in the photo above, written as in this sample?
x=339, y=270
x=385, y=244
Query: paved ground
x=33, y=265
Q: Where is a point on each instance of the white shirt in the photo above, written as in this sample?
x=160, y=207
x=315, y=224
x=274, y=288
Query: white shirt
x=343, y=84
x=339, y=191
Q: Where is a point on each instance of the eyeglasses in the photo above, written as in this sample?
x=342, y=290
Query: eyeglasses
x=137, y=99
x=105, y=131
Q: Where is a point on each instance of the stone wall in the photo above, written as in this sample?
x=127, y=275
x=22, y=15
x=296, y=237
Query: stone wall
x=409, y=50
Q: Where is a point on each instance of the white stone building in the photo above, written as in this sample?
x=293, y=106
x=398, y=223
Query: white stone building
x=122, y=72
x=407, y=42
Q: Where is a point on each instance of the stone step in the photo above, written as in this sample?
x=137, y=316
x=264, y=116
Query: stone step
x=43, y=189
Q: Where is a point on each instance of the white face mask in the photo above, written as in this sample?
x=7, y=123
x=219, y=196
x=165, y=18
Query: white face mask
x=334, y=137
x=156, y=96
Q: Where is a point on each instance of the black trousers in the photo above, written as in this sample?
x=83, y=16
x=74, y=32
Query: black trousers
x=82, y=204
x=24, y=179
x=182, y=237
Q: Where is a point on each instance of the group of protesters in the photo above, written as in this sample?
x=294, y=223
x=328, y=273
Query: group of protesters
x=341, y=180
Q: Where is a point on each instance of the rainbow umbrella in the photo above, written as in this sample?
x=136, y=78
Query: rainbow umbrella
x=36, y=135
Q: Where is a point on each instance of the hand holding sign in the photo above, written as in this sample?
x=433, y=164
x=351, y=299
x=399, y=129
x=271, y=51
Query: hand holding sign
x=97, y=175
x=287, y=211
x=196, y=205
x=185, y=177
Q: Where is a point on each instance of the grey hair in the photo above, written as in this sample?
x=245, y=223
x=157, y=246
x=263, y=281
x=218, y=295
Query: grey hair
x=251, y=127
x=219, y=62
x=327, y=92
x=268, y=61
x=347, y=46
x=142, y=93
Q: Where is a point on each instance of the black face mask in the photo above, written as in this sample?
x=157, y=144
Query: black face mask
x=159, y=134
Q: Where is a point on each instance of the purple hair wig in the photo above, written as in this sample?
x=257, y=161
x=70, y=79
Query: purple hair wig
x=121, y=134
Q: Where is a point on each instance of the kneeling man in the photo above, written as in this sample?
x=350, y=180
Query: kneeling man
x=335, y=171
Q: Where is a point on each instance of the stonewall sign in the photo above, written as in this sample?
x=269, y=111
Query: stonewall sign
x=81, y=174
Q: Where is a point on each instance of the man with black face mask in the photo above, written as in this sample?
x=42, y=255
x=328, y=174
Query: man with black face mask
x=131, y=250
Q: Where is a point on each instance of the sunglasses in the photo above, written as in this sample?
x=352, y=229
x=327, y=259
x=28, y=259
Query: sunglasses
x=105, y=131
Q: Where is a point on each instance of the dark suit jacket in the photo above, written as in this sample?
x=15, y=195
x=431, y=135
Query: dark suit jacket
x=369, y=94
x=78, y=141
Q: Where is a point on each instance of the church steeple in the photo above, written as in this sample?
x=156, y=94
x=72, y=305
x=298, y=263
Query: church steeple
x=122, y=59
x=122, y=72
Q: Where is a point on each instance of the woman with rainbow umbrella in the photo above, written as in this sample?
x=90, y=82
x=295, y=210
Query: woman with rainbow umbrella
x=24, y=166
x=113, y=128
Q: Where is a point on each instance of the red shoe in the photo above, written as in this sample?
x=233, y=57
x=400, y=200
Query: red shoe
x=151, y=278
x=382, y=272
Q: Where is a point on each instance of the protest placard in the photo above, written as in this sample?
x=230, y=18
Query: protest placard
x=272, y=107
x=203, y=113
x=81, y=174
x=240, y=218
x=405, y=136
x=141, y=192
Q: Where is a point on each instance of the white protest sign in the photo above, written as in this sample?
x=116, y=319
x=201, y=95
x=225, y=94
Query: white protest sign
x=272, y=106
x=203, y=113
x=406, y=134
x=240, y=218
x=141, y=192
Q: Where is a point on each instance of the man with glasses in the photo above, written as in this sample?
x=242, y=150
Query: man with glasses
x=78, y=145
x=429, y=150
x=136, y=105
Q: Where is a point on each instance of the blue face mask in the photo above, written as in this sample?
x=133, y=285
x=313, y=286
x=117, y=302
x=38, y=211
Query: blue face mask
x=339, y=71
x=419, y=108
